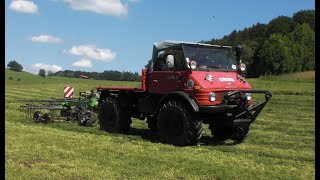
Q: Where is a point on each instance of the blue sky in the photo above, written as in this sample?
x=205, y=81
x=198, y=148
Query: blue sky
x=98, y=35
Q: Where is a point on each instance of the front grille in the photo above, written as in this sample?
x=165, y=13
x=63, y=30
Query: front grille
x=232, y=100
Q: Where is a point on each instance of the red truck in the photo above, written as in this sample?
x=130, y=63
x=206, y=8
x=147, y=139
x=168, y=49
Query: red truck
x=184, y=85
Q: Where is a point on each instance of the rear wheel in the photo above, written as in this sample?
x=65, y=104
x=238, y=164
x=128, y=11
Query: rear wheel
x=112, y=117
x=176, y=126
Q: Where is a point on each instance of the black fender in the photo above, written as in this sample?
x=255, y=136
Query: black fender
x=183, y=97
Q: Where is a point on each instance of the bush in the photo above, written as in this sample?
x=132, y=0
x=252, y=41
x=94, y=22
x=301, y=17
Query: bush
x=18, y=79
x=10, y=78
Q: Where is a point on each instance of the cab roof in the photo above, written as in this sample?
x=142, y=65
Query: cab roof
x=158, y=46
x=169, y=43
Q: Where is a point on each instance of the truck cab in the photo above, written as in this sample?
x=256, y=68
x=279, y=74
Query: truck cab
x=196, y=69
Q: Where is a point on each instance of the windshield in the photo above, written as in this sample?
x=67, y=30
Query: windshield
x=210, y=58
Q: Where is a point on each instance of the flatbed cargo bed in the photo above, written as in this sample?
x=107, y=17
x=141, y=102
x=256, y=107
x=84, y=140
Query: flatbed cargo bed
x=111, y=88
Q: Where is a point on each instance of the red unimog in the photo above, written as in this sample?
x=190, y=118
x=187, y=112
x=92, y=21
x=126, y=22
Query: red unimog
x=184, y=85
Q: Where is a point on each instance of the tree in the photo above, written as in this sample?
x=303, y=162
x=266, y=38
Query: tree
x=50, y=73
x=304, y=47
x=276, y=55
x=305, y=16
x=15, y=66
x=281, y=25
x=42, y=73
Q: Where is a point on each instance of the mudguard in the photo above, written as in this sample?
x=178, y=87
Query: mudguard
x=184, y=97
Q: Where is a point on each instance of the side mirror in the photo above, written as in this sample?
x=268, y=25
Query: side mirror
x=188, y=62
x=242, y=67
x=238, y=49
x=170, y=61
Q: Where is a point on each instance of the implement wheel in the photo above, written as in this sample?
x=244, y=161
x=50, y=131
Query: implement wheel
x=176, y=126
x=84, y=118
x=112, y=117
x=37, y=116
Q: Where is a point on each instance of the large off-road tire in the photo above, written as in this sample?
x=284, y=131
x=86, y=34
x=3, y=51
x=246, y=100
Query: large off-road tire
x=112, y=117
x=176, y=126
x=236, y=132
x=240, y=132
x=221, y=132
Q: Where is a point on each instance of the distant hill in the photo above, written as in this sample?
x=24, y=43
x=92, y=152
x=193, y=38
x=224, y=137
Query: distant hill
x=284, y=45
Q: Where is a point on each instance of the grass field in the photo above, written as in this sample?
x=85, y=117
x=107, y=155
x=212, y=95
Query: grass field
x=280, y=144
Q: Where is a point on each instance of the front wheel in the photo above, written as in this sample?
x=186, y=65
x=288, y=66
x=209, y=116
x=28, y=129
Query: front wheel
x=176, y=126
x=240, y=131
x=236, y=132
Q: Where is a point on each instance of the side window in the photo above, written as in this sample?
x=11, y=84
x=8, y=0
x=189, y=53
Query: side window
x=160, y=64
x=179, y=60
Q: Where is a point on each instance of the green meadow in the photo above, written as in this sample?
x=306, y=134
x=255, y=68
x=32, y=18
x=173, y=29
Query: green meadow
x=280, y=144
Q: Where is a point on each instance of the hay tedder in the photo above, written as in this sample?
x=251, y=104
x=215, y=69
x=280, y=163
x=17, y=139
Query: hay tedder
x=81, y=110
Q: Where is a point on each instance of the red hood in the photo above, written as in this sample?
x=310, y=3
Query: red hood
x=221, y=80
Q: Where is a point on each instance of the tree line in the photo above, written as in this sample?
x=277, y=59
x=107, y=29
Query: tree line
x=284, y=45
x=105, y=75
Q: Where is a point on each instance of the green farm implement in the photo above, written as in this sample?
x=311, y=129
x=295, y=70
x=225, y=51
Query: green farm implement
x=81, y=110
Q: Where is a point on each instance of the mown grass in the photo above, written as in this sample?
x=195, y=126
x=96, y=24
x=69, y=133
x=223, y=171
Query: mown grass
x=280, y=144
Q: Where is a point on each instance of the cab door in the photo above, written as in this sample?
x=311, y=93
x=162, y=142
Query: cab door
x=163, y=82
x=166, y=78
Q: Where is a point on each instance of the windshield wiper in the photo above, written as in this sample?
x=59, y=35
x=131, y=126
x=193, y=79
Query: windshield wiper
x=212, y=67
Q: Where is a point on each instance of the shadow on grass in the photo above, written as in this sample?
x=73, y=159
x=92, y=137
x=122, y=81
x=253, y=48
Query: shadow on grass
x=134, y=133
x=210, y=141
x=148, y=135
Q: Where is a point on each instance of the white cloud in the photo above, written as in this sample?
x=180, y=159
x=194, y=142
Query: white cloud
x=84, y=63
x=108, y=7
x=23, y=6
x=47, y=67
x=134, y=1
x=46, y=39
x=91, y=52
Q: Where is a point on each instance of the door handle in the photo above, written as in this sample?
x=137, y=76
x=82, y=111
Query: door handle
x=155, y=80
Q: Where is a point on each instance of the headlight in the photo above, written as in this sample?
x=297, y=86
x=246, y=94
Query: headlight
x=193, y=64
x=248, y=96
x=212, y=96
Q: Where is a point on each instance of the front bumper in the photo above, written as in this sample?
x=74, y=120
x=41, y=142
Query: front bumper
x=241, y=112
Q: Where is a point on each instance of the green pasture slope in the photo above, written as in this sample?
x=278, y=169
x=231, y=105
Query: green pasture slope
x=280, y=144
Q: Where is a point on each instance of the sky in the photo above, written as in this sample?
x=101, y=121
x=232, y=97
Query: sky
x=99, y=35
